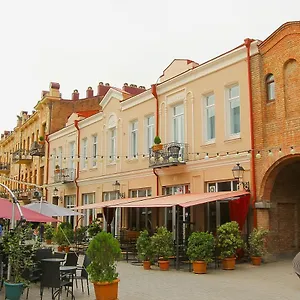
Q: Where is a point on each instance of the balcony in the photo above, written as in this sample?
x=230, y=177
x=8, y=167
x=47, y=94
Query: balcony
x=65, y=175
x=21, y=156
x=171, y=154
x=37, y=149
x=4, y=168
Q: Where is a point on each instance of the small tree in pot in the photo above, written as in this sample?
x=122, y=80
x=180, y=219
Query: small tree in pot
x=144, y=248
x=49, y=233
x=103, y=251
x=229, y=241
x=200, y=250
x=20, y=257
x=257, y=245
x=162, y=243
x=157, y=144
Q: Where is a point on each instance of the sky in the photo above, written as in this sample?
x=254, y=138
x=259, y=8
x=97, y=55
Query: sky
x=80, y=43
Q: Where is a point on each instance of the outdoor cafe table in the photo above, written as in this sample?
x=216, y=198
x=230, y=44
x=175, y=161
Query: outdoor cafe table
x=60, y=260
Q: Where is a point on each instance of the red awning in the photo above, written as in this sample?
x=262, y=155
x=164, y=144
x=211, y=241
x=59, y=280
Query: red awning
x=111, y=203
x=29, y=215
x=184, y=200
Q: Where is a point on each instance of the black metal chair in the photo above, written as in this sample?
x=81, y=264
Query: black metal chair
x=42, y=254
x=61, y=255
x=83, y=275
x=51, y=278
x=33, y=276
x=72, y=259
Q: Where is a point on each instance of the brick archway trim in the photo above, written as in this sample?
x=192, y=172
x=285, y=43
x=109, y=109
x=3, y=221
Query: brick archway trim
x=271, y=174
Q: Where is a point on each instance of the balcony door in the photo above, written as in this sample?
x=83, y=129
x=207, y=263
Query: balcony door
x=178, y=123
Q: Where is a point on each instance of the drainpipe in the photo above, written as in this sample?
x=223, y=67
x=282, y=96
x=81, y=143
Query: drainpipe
x=248, y=44
x=77, y=168
x=154, y=93
x=47, y=163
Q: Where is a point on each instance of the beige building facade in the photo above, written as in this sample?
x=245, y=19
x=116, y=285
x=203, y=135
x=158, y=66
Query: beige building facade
x=201, y=114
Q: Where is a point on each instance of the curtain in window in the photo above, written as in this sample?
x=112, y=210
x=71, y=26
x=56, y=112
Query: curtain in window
x=109, y=214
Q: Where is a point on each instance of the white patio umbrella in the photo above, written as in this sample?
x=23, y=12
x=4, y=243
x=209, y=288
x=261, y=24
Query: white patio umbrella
x=51, y=210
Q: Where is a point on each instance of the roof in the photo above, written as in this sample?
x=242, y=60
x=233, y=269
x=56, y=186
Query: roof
x=87, y=113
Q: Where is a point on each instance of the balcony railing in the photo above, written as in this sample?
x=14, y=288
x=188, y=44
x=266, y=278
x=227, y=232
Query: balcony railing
x=37, y=149
x=4, y=168
x=65, y=175
x=171, y=154
x=21, y=156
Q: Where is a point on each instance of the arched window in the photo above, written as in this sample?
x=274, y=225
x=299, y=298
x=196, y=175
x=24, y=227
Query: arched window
x=270, y=87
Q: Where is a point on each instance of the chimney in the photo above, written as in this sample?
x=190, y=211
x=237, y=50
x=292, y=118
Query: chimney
x=54, y=89
x=133, y=89
x=75, y=95
x=44, y=93
x=89, y=92
x=103, y=89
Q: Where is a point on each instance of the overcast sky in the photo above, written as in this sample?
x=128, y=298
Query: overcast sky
x=79, y=43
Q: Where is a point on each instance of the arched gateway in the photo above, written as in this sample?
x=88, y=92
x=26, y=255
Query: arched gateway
x=279, y=205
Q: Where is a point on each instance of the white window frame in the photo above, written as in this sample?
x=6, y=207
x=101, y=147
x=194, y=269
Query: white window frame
x=54, y=159
x=72, y=157
x=149, y=133
x=133, y=139
x=88, y=198
x=112, y=144
x=180, y=117
x=60, y=157
x=229, y=100
x=69, y=202
x=207, y=107
x=84, y=154
x=94, y=150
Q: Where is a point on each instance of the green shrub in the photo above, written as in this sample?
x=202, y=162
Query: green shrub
x=103, y=251
x=229, y=239
x=162, y=243
x=257, y=240
x=201, y=246
x=94, y=228
x=144, y=246
x=157, y=140
x=80, y=234
x=49, y=232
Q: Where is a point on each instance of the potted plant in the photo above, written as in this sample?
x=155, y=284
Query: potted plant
x=103, y=251
x=41, y=140
x=20, y=257
x=162, y=243
x=60, y=239
x=257, y=245
x=49, y=233
x=94, y=228
x=229, y=241
x=144, y=249
x=200, y=250
x=80, y=234
x=157, y=144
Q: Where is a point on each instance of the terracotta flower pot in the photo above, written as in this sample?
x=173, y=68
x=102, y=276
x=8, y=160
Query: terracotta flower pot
x=146, y=265
x=60, y=248
x=67, y=249
x=48, y=242
x=228, y=263
x=164, y=265
x=256, y=260
x=199, y=267
x=106, y=290
x=157, y=147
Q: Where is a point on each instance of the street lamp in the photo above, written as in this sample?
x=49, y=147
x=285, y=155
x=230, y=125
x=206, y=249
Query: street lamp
x=55, y=191
x=117, y=187
x=238, y=174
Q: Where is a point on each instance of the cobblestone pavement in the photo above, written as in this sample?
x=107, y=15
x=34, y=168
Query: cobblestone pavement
x=274, y=281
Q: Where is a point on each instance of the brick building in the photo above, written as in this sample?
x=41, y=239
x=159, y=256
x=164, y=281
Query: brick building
x=276, y=118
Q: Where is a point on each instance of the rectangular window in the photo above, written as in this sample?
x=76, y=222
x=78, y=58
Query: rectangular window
x=89, y=214
x=149, y=132
x=94, y=150
x=178, y=123
x=72, y=155
x=70, y=203
x=60, y=158
x=210, y=132
x=234, y=110
x=84, y=154
x=54, y=162
x=134, y=139
x=113, y=144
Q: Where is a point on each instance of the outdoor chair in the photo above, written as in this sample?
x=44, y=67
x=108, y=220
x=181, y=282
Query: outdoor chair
x=83, y=275
x=42, y=254
x=33, y=276
x=61, y=255
x=296, y=264
x=51, y=278
x=72, y=259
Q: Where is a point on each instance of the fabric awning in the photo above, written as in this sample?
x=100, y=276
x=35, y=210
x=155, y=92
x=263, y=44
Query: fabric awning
x=29, y=215
x=111, y=203
x=184, y=200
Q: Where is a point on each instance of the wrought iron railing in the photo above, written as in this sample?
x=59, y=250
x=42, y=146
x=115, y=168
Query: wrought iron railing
x=37, y=149
x=64, y=175
x=169, y=154
x=21, y=155
x=4, y=167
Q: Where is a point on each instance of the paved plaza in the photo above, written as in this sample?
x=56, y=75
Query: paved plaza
x=274, y=281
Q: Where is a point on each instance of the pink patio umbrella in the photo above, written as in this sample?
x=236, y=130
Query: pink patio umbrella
x=29, y=215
